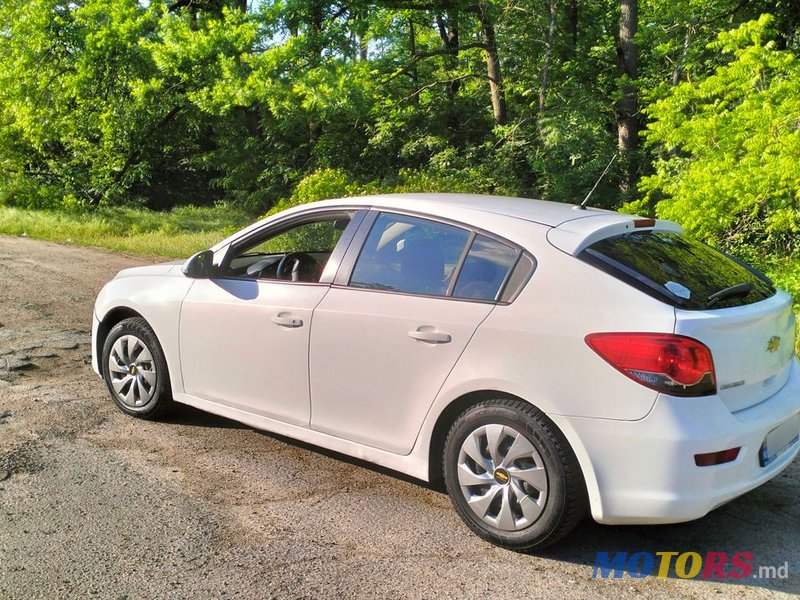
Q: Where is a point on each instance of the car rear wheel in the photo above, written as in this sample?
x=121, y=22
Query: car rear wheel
x=135, y=370
x=512, y=476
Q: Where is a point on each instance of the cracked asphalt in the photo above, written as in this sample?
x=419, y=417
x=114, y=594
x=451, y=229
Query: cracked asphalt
x=96, y=504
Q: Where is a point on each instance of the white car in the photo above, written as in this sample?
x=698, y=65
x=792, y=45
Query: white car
x=540, y=359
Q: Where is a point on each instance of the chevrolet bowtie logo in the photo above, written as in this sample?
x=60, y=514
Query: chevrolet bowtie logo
x=774, y=343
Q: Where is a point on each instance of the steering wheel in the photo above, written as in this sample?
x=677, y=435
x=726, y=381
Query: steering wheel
x=297, y=266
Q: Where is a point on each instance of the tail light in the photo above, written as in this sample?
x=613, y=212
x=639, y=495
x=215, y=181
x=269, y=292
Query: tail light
x=674, y=364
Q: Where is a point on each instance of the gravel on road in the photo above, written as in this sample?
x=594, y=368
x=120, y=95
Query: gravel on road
x=96, y=504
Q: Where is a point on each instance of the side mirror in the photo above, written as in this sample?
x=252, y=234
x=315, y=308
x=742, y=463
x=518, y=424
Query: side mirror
x=200, y=265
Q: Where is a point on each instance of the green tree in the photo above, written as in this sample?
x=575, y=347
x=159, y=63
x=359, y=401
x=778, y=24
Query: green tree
x=172, y=102
x=68, y=124
x=729, y=145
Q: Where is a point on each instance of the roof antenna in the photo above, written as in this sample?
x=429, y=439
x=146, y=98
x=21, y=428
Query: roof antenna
x=582, y=205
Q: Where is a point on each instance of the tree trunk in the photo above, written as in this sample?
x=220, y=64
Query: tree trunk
x=412, y=43
x=677, y=72
x=359, y=28
x=571, y=28
x=316, y=25
x=548, y=55
x=493, y=68
x=448, y=31
x=787, y=22
x=627, y=68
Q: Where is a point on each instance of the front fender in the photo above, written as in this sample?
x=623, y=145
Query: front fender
x=157, y=299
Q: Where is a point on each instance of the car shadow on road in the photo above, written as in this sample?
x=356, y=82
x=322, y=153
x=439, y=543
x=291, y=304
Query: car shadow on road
x=187, y=415
x=764, y=522
x=184, y=414
x=754, y=523
x=751, y=524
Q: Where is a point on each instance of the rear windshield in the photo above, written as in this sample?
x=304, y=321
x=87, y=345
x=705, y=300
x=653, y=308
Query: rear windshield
x=678, y=270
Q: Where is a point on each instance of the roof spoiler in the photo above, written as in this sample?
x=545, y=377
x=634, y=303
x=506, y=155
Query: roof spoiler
x=575, y=235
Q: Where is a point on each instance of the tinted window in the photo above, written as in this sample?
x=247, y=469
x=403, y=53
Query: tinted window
x=679, y=270
x=485, y=269
x=407, y=254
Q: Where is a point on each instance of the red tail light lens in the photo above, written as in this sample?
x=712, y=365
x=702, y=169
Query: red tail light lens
x=674, y=364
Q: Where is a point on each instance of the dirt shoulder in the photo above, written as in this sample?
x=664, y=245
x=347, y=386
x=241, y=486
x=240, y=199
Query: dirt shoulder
x=93, y=503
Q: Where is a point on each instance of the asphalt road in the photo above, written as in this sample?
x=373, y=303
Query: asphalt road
x=96, y=504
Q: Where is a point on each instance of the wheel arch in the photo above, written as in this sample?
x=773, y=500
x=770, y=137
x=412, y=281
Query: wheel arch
x=451, y=412
x=111, y=318
x=445, y=421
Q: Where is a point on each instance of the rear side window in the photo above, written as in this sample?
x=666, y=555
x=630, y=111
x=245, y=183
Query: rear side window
x=485, y=269
x=678, y=270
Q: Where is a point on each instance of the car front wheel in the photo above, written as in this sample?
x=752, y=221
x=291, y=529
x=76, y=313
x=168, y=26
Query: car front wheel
x=135, y=370
x=512, y=476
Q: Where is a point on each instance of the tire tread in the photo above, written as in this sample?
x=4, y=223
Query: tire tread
x=575, y=497
x=140, y=327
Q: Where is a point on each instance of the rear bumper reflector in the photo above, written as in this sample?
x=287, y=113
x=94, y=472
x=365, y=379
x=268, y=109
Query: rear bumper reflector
x=710, y=459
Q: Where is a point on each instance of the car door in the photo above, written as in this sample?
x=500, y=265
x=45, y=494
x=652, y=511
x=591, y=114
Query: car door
x=244, y=333
x=388, y=333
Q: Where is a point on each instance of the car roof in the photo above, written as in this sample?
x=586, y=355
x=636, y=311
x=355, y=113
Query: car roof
x=571, y=228
x=544, y=212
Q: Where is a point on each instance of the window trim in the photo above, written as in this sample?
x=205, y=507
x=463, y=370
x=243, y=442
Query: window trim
x=451, y=287
x=345, y=271
x=509, y=293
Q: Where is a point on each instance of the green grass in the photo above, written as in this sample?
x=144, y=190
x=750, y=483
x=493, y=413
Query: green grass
x=176, y=234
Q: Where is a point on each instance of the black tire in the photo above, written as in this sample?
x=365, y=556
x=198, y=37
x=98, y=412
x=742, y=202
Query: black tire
x=144, y=392
x=561, y=502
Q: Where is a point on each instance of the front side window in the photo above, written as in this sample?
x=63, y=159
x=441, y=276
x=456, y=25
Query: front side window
x=408, y=254
x=298, y=253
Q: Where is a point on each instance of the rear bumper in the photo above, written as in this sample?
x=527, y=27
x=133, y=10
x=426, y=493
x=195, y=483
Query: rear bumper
x=645, y=472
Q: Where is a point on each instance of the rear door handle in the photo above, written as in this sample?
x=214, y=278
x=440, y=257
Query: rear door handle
x=285, y=321
x=433, y=337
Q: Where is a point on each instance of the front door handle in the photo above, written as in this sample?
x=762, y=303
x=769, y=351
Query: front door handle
x=286, y=321
x=432, y=337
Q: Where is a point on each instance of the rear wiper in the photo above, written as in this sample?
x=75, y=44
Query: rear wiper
x=740, y=289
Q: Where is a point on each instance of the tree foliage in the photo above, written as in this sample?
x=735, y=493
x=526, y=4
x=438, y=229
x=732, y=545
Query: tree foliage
x=262, y=104
x=729, y=144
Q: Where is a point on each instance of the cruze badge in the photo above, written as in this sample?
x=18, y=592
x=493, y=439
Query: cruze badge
x=774, y=343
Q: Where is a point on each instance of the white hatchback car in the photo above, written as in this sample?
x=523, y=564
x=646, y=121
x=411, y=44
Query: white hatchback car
x=540, y=359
